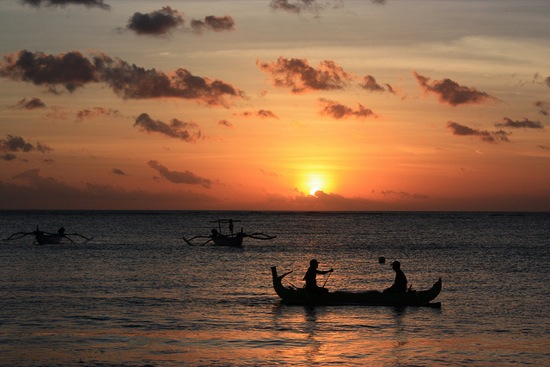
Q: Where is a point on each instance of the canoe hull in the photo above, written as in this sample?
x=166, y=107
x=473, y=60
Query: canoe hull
x=48, y=239
x=297, y=296
x=232, y=241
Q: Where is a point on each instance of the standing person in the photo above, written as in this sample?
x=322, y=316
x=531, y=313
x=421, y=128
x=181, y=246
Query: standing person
x=400, y=283
x=231, y=226
x=311, y=277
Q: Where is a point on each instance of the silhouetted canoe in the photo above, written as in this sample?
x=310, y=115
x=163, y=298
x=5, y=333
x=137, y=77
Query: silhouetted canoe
x=299, y=296
x=46, y=238
x=233, y=239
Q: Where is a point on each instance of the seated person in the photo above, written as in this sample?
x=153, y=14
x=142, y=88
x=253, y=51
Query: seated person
x=311, y=277
x=400, y=283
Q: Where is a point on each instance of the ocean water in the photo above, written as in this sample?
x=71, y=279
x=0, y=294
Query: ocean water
x=138, y=295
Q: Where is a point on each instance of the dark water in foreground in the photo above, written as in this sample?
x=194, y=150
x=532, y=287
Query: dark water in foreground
x=137, y=295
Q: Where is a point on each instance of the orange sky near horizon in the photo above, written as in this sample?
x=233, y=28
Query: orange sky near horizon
x=275, y=105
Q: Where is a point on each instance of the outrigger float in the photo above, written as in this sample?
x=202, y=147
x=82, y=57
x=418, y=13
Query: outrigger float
x=292, y=295
x=46, y=238
x=232, y=239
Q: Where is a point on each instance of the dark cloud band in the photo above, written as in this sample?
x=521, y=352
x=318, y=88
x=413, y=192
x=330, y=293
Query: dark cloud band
x=72, y=70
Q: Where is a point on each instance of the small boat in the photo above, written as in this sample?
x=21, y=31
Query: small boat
x=292, y=295
x=232, y=239
x=46, y=238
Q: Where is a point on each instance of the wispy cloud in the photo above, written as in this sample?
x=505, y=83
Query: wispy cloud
x=118, y=171
x=300, y=77
x=72, y=70
x=543, y=107
x=43, y=192
x=186, y=131
x=525, y=124
x=225, y=123
x=296, y=6
x=484, y=135
x=338, y=111
x=450, y=92
x=260, y=113
x=13, y=144
x=213, y=23
x=370, y=84
x=89, y=113
x=157, y=23
x=310, y=6
x=177, y=177
x=30, y=104
x=62, y=3
x=404, y=195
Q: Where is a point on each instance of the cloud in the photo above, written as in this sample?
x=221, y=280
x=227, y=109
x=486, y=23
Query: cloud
x=213, y=23
x=57, y=113
x=176, y=129
x=543, y=107
x=34, y=191
x=296, y=6
x=225, y=123
x=95, y=112
x=451, y=92
x=539, y=79
x=133, y=82
x=525, y=124
x=72, y=70
x=297, y=75
x=186, y=177
x=260, y=113
x=156, y=23
x=8, y=157
x=117, y=171
x=13, y=144
x=312, y=6
x=370, y=84
x=338, y=111
x=30, y=104
x=62, y=3
x=404, y=195
x=484, y=135
x=320, y=201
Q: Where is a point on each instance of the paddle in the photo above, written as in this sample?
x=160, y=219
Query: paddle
x=326, y=280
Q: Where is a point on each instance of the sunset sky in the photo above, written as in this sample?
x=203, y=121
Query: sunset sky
x=275, y=104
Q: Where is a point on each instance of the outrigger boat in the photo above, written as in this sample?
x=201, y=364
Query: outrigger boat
x=233, y=239
x=46, y=238
x=292, y=295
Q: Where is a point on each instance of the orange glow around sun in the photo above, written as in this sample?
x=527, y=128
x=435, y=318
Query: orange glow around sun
x=315, y=182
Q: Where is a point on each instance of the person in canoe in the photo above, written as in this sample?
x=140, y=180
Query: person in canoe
x=400, y=283
x=311, y=277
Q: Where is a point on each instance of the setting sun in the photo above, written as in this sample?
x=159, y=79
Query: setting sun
x=315, y=182
x=313, y=190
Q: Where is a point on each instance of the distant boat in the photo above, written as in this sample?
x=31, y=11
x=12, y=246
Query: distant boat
x=46, y=238
x=232, y=239
x=299, y=296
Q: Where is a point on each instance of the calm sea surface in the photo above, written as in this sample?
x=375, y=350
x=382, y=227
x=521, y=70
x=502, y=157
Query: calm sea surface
x=137, y=295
